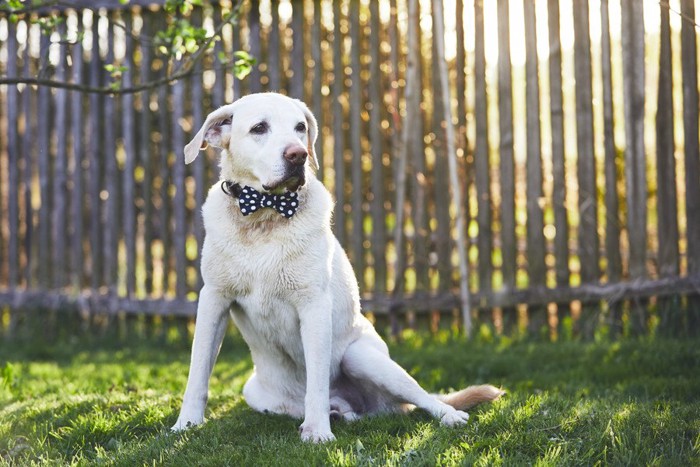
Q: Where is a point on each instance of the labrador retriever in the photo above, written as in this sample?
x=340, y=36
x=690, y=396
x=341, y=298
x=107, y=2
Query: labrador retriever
x=270, y=262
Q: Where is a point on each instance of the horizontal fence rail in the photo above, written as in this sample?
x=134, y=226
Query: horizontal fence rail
x=577, y=151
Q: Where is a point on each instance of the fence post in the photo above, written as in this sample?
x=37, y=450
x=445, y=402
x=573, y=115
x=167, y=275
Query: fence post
x=635, y=158
x=612, y=204
x=452, y=161
x=689, y=63
x=507, y=158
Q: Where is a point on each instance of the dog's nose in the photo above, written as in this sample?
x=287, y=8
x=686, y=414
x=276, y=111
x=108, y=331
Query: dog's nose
x=296, y=155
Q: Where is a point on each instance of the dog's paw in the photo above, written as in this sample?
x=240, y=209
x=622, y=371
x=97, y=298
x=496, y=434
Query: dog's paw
x=350, y=416
x=183, y=424
x=454, y=418
x=311, y=434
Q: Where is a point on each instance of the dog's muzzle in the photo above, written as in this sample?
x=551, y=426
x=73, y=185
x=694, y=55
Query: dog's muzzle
x=294, y=170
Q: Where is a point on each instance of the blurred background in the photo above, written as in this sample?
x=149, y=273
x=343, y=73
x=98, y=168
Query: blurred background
x=576, y=147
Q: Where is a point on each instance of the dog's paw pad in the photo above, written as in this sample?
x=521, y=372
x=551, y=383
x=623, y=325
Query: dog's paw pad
x=455, y=418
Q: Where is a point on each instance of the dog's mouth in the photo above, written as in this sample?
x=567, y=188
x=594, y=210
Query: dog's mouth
x=294, y=177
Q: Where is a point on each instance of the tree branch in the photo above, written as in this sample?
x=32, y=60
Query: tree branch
x=183, y=71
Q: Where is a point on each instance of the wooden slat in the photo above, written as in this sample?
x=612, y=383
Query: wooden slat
x=419, y=177
x=29, y=156
x=451, y=149
x=111, y=182
x=273, y=48
x=556, y=102
x=356, y=130
x=612, y=224
x=77, y=155
x=146, y=156
x=666, y=204
x=94, y=148
x=218, y=93
x=507, y=162
x=395, y=38
x=178, y=180
x=59, y=209
x=440, y=197
x=237, y=88
x=298, y=64
x=316, y=94
x=338, y=88
x=164, y=210
x=410, y=126
x=586, y=167
x=689, y=63
x=537, y=316
x=612, y=203
x=13, y=149
x=44, y=165
x=130, y=161
x=481, y=155
x=632, y=14
x=201, y=182
x=460, y=77
x=378, y=173
x=4, y=181
x=254, y=28
x=635, y=160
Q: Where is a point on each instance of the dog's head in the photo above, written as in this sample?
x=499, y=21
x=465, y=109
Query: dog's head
x=266, y=140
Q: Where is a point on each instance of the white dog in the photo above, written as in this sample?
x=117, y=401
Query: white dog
x=271, y=261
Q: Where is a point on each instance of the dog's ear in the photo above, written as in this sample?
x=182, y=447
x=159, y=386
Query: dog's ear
x=216, y=131
x=312, y=133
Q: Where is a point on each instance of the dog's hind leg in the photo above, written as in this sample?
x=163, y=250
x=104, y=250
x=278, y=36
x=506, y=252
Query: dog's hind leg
x=263, y=399
x=212, y=318
x=367, y=360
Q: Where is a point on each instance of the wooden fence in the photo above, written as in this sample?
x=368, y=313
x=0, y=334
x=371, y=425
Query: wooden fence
x=577, y=127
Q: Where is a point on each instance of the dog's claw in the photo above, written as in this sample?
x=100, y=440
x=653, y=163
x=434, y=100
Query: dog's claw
x=454, y=418
x=315, y=435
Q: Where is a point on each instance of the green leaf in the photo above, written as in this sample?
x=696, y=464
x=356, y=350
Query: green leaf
x=243, y=64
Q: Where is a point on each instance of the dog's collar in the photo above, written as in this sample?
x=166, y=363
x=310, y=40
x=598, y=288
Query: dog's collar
x=250, y=199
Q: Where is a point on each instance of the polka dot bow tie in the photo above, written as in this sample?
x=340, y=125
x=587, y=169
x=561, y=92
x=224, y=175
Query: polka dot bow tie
x=250, y=200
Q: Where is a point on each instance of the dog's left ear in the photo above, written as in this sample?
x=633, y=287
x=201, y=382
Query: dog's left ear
x=312, y=133
x=216, y=131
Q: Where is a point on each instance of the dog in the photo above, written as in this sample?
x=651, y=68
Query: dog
x=271, y=262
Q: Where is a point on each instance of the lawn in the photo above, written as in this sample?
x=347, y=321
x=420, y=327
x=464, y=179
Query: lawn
x=92, y=401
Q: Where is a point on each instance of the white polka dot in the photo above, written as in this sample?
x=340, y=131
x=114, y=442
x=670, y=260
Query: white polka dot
x=290, y=212
x=293, y=203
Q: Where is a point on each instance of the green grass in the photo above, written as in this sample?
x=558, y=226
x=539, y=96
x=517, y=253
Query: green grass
x=87, y=402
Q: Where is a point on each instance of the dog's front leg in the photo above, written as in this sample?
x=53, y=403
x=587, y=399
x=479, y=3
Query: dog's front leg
x=209, y=332
x=316, y=335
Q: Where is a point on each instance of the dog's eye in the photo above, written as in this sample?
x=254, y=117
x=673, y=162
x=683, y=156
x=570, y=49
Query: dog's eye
x=260, y=128
x=301, y=127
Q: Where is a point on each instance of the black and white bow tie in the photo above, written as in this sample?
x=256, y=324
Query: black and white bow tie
x=250, y=200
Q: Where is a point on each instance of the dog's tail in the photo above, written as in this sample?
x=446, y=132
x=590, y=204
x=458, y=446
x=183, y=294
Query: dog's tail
x=471, y=396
